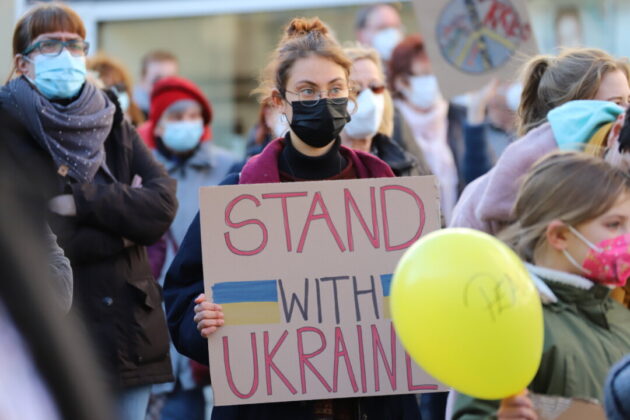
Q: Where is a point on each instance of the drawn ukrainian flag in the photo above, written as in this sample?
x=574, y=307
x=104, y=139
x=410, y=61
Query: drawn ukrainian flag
x=248, y=302
x=386, y=282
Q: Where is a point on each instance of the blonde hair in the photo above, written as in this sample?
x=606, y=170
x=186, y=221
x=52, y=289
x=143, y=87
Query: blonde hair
x=356, y=52
x=302, y=38
x=567, y=186
x=550, y=81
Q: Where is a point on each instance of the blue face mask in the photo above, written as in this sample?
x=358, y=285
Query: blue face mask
x=59, y=77
x=182, y=136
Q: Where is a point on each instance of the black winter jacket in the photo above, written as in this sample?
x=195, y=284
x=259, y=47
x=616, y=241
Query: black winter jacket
x=114, y=291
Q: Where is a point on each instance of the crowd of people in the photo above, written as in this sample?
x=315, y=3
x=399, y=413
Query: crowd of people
x=101, y=179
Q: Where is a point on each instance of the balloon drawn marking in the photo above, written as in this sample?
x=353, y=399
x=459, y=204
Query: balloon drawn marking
x=485, y=291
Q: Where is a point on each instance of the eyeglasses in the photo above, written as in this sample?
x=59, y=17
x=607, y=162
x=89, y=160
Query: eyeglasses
x=376, y=89
x=53, y=47
x=310, y=96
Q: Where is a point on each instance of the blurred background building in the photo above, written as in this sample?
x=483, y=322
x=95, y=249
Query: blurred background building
x=223, y=44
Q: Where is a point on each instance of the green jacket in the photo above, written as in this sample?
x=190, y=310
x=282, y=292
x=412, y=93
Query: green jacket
x=586, y=332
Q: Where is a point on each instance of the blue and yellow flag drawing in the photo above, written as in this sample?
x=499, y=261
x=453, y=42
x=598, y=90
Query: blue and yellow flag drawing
x=386, y=282
x=248, y=302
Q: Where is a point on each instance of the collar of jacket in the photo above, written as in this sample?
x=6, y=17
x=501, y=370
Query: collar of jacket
x=560, y=291
x=263, y=168
x=199, y=161
x=385, y=148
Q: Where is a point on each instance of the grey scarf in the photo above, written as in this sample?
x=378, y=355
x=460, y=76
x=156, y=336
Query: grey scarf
x=73, y=134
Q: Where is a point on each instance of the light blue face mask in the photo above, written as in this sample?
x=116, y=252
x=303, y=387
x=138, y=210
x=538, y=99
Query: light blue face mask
x=182, y=136
x=60, y=76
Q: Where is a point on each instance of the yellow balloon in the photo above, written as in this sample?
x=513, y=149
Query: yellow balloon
x=467, y=312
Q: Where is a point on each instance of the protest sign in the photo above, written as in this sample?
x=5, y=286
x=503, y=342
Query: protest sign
x=303, y=271
x=470, y=42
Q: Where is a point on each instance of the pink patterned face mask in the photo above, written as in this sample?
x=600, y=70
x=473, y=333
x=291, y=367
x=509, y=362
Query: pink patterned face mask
x=608, y=262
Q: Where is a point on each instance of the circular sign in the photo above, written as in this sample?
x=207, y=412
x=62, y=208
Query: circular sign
x=478, y=36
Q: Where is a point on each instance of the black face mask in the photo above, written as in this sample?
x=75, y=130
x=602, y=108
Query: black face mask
x=319, y=124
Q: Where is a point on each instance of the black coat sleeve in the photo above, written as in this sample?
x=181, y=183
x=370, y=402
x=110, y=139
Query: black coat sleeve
x=183, y=283
x=141, y=215
x=84, y=244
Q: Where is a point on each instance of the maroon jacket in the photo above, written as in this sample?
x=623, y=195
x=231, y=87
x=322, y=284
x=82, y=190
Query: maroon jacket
x=263, y=168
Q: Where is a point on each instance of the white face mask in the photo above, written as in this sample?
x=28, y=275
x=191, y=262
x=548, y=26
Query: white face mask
x=424, y=91
x=367, y=119
x=385, y=40
x=513, y=96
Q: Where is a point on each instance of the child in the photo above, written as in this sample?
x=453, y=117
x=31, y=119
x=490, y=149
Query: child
x=572, y=229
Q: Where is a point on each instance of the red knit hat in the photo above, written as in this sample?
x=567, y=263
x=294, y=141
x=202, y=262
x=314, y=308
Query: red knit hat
x=168, y=91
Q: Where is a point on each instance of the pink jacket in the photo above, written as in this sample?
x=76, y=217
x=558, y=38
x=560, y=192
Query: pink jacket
x=486, y=203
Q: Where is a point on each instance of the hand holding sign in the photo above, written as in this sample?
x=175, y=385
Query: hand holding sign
x=208, y=316
x=484, y=331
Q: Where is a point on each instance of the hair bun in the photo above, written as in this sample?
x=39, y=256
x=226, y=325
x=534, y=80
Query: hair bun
x=299, y=27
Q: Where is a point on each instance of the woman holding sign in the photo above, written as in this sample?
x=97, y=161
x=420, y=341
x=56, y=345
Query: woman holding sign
x=576, y=249
x=308, y=82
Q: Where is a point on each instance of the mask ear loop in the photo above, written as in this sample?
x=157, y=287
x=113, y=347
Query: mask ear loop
x=25, y=58
x=584, y=239
x=587, y=242
x=575, y=263
x=281, y=96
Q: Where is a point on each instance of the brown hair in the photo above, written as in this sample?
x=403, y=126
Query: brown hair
x=45, y=18
x=400, y=65
x=112, y=72
x=155, y=56
x=550, y=81
x=41, y=19
x=568, y=186
x=356, y=52
x=302, y=38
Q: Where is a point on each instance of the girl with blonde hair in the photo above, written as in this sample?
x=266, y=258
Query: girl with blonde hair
x=572, y=229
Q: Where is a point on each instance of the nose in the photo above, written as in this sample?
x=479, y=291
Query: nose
x=323, y=94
